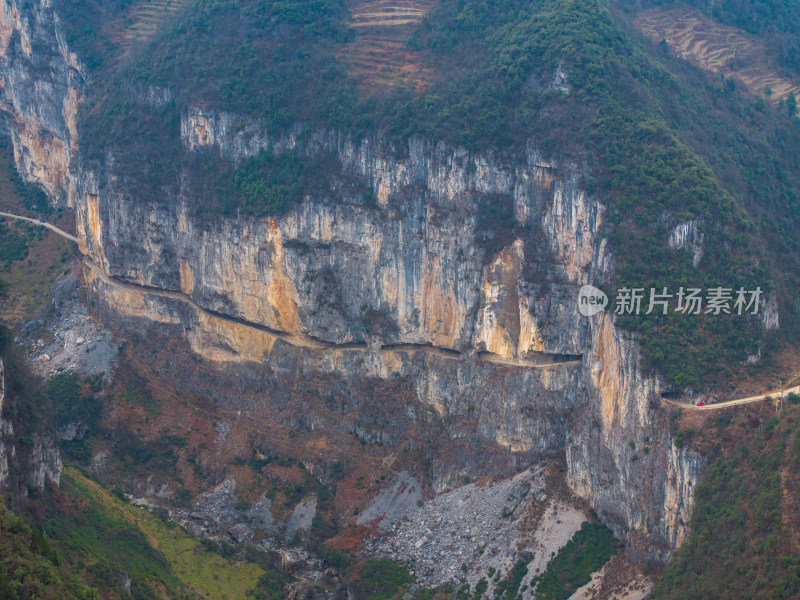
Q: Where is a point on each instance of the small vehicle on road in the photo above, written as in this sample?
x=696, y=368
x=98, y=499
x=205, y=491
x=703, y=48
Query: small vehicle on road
x=41, y=221
x=701, y=403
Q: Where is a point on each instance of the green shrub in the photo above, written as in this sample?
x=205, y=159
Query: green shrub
x=13, y=246
x=589, y=549
x=741, y=542
x=31, y=568
x=33, y=197
x=379, y=579
x=269, y=184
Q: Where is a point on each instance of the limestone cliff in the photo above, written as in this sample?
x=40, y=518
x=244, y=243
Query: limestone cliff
x=29, y=457
x=405, y=284
x=6, y=432
x=40, y=87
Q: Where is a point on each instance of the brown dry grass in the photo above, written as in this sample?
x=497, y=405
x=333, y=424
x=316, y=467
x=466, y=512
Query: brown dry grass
x=716, y=48
x=780, y=368
x=378, y=56
x=192, y=417
x=621, y=580
x=143, y=20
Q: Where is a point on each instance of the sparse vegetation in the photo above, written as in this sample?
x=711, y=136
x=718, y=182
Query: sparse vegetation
x=73, y=406
x=33, y=197
x=509, y=586
x=683, y=437
x=13, y=246
x=111, y=538
x=105, y=543
x=777, y=22
x=269, y=184
x=30, y=257
x=480, y=589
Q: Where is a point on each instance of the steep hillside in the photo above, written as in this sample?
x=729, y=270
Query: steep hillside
x=93, y=536
x=31, y=256
x=775, y=22
x=487, y=78
x=30, y=567
x=379, y=56
x=719, y=49
x=338, y=249
x=744, y=540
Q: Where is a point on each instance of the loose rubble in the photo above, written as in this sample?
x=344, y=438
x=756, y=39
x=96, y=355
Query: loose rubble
x=215, y=513
x=457, y=537
x=70, y=341
x=393, y=504
x=302, y=517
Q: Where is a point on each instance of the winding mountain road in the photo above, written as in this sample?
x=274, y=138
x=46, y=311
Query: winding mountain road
x=314, y=344
x=41, y=223
x=774, y=395
x=306, y=341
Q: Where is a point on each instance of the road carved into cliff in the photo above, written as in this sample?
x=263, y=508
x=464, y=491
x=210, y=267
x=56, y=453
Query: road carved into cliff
x=539, y=360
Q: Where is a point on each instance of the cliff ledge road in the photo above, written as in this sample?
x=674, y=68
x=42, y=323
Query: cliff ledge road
x=540, y=362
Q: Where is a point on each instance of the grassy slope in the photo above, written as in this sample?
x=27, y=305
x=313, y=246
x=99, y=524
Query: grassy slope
x=102, y=539
x=208, y=574
x=104, y=547
x=31, y=568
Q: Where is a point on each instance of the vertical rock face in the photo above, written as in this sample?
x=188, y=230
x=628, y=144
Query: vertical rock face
x=45, y=462
x=6, y=431
x=406, y=283
x=771, y=316
x=624, y=447
x=688, y=235
x=40, y=86
x=38, y=462
x=2, y=384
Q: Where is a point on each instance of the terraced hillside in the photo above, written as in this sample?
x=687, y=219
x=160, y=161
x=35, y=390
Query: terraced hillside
x=143, y=20
x=378, y=56
x=717, y=48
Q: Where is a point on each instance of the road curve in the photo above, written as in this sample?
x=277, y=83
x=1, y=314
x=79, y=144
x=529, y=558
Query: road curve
x=774, y=394
x=60, y=232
